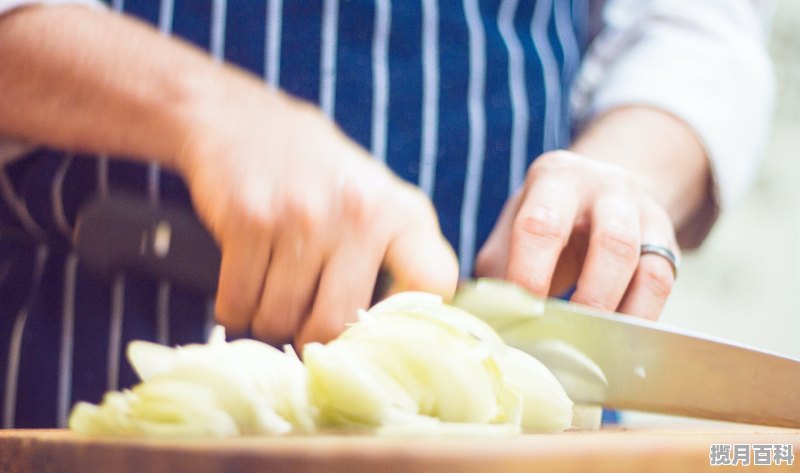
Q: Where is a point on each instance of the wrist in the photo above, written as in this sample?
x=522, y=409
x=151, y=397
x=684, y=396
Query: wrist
x=207, y=103
x=659, y=150
x=217, y=109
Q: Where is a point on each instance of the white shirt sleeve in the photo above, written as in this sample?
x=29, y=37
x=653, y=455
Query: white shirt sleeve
x=702, y=61
x=11, y=149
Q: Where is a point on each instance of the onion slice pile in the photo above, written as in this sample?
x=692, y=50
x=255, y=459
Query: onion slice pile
x=412, y=365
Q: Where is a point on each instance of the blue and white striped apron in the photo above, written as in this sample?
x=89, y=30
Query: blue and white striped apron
x=457, y=97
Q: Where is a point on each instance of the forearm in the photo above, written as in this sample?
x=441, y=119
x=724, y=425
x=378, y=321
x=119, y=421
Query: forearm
x=691, y=60
x=97, y=82
x=661, y=152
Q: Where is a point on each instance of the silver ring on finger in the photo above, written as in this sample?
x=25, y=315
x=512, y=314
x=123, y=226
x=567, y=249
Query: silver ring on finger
x=664, y=252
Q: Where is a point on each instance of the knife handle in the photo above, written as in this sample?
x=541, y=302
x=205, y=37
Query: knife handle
x=126, y=233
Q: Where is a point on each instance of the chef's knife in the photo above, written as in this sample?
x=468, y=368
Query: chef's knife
x=642, y=365
x=648, y=366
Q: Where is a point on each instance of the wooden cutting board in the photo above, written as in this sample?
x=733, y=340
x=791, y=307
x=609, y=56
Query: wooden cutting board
x=618, y=450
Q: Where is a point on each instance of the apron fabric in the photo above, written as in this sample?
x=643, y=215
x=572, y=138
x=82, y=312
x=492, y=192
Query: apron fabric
x=457, y=97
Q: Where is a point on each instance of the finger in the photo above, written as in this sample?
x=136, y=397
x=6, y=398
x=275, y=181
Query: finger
x=613, y=252
x=570, y=264
x=289, y=289
x=540, y=231
x=492, y=259
x=346, y=285
x=653, y=280
x=242, y=272
x=422, y=261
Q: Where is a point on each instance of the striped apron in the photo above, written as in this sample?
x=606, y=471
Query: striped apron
x=456, y=96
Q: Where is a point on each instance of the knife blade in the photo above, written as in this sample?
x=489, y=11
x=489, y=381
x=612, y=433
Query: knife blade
x=650, y=367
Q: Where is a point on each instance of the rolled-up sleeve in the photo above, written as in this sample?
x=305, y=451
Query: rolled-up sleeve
x=11, y=149
x=8, y=5
x=704, y=62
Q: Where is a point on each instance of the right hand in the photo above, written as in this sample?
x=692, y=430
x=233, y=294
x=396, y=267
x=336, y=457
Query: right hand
x=305, y=219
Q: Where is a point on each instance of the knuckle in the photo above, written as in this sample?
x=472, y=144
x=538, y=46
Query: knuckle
x=420, y=207
x=625, y=183
x=659, y=216
x=357, y=202
x=487, y=263
x=258, y=224
x=231, y=313
x=441, y=280
x=656, y=277
x=550, y=162
x=326, y=328
x=594, y=301
x=250, y=217
x=304, y=214
x=311, y=116
x=618, y=242
x=536, y=283
x=592, y=296
x=556, y=158
x=236, y=223
x=420, y=201
x=629, y=181
x=540, y=224
x=268, y=326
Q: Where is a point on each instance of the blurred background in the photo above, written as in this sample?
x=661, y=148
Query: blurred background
x=743, y=284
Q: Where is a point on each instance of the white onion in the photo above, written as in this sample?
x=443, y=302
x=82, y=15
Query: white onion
x=411, y=364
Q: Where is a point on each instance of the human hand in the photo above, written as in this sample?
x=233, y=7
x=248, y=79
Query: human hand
x=581, y=222
x=305, y=219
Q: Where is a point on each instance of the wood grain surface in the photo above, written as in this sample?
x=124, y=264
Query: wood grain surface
x=619, y=450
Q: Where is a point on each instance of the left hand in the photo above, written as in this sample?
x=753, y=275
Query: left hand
x=581, y=222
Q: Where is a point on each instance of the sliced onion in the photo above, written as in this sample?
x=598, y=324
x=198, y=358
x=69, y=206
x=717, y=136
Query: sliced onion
x=498, y=303
x=411, y=364
x=260, y=388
